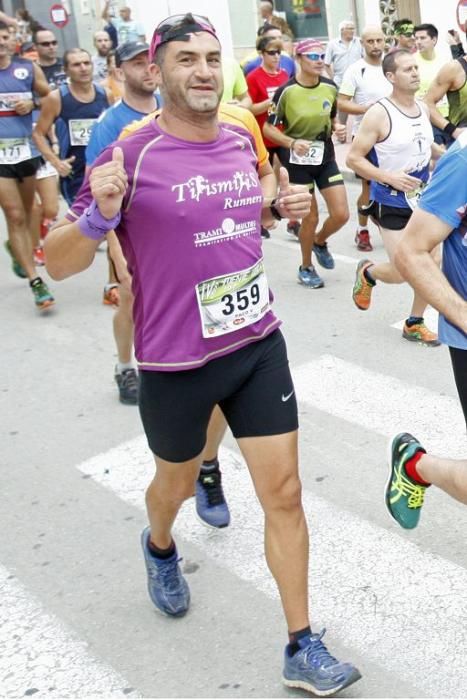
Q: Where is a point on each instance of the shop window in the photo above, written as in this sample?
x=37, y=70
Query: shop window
x=306, y=18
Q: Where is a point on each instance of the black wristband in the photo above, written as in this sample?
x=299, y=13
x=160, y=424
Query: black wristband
x=449, y=129
x=274, y=211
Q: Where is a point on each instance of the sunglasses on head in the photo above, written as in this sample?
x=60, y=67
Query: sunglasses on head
x=174, y=26
x=315, y=56
x=273, y=52
x=48, y=43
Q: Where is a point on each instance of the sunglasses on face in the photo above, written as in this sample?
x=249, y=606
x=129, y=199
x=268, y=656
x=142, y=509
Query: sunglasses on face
x=273, y=52
x=48, y=43
x=315, y=56
x=169, y=28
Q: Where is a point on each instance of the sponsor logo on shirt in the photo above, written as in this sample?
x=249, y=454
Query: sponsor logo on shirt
x=226, y=231
x=21, y=73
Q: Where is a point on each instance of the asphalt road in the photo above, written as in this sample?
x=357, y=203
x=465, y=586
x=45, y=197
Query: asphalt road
x=75, y=617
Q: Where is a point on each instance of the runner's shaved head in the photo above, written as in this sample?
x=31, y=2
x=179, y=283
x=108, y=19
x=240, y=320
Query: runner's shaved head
x=371, y=30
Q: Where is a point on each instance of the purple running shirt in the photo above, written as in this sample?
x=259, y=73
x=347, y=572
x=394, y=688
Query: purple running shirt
x=190, y=232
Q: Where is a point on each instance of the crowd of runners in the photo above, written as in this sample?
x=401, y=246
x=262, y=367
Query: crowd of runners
x=148, y=144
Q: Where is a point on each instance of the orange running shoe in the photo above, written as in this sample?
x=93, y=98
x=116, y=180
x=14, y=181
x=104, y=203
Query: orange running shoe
x=361, y=293
x=111, y=296
x=419, y=333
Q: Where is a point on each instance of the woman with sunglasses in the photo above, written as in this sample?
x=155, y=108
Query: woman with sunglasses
x=301, y=121
x=262, y=84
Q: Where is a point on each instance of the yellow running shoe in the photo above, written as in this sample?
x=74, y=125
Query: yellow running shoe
x=361, y=293
x=419, y=333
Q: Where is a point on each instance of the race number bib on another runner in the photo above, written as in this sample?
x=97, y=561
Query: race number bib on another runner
x=413, y=196
x=313, y=157
x=14, y=151
x=80, y=131
x=230, y=302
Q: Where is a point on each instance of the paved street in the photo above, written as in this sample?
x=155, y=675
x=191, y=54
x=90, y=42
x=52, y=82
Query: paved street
x=75, y=619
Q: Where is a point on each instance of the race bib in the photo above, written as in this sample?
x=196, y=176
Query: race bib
x=413, y=196
x=14, y=151
x=230, y=302
x=80, y=131
x=313, y=157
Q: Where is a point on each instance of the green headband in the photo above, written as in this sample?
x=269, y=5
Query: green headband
x=404, y=29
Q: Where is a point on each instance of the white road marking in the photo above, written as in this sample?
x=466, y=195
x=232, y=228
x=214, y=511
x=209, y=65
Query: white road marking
x=382, y=404
x=402, y=608
x=40, y=656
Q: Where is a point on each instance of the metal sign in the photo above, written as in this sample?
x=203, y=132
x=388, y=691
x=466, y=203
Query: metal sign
x=461, y=15
x=59, y=16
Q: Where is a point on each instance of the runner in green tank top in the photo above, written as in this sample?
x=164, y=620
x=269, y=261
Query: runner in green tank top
x=306, y=109
x=452, y=82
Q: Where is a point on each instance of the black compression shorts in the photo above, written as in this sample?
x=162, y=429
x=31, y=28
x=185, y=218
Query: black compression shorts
x=252, y=386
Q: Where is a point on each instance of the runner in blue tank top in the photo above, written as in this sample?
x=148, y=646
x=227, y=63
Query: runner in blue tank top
x=74, y=108
x=19, y=160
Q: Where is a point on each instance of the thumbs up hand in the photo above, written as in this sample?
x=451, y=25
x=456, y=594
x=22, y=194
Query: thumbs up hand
x=109, y=183
x=293, y=201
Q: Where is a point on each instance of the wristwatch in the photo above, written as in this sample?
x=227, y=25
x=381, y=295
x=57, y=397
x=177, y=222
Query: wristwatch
x=275, y=211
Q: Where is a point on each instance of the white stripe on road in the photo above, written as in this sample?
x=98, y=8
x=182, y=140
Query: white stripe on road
x=400, y=607
x=39, y=656
x=382, y=404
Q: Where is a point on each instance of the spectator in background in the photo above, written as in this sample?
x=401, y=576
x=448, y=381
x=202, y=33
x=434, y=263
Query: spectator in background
x=47, y=48
x=404, y=35
x=114, y=80
x=429, y=64
x=266, y=11
x=235, y=86
x=286, y=62
x=127, y=29
x=103, y=44
x=342, y=52
x=455, y=43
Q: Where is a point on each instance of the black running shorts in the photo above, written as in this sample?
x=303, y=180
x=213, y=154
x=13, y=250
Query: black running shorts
x=391, y=218
x=18, y=171
x=459, y=366
x=324, y=175
x=252, y=386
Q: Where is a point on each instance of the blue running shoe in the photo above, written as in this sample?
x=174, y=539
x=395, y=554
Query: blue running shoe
x=313, y=668
x=309, y=277
x=323, y=256
x=211, y=505
x=167, y=588
x=15, y=266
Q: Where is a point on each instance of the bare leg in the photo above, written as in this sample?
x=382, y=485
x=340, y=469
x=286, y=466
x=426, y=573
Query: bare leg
x=16, y=200
x=450, y=475
x=273, y=465
x=363, y=200
x=173, y=483
x=307, y=232
x=123, y=326
x=216, y=431
x=338, y=210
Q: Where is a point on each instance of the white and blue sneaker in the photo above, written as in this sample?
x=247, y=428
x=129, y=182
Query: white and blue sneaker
x=167, y=588
x=313, y=668
x=211, y=506
x=309, y=277
x=323, y=256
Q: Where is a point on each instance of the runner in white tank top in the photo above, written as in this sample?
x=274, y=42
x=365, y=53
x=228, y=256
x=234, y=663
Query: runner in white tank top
x=397, y=136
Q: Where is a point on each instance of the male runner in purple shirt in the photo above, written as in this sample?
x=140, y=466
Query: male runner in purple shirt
x=184, y=196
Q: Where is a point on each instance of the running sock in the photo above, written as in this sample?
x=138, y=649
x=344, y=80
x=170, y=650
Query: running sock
x=161, y=553
x=368, y=277
x=411, y=469
x=35, y=281
x=362, y=228
x=209, y=466
x=293, y=646
x=122, y=366
x=413, y=321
